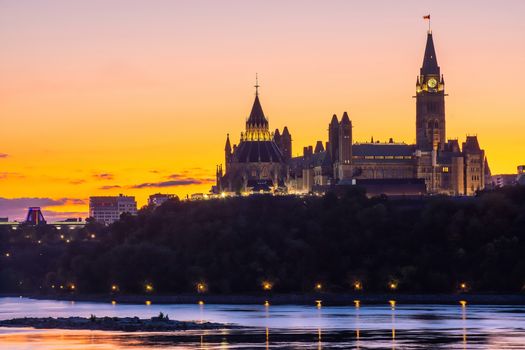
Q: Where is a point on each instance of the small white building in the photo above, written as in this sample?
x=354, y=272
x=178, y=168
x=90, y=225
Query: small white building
x=158, y=199
x=108, y=209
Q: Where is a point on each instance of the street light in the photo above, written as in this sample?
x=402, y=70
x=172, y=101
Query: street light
x=201, y=287
x=358, y=285
x=266, y=285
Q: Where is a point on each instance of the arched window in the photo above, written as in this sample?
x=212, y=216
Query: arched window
x=430, y=124
x=436, y=124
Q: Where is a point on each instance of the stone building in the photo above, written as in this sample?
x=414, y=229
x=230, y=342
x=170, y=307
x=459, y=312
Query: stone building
x=439, y=165
x=260, y=161
x=444, y=166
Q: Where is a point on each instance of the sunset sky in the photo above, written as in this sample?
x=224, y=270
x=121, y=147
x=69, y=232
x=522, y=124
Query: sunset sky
x=101, y=97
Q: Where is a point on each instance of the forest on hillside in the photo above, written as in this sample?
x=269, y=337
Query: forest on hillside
x=289, y=243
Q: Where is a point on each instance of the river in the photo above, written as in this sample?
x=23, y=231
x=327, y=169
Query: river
x=277, y=327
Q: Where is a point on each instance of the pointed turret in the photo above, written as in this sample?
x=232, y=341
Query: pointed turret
x=257, y=124
x=319, y=147
x=430, y=65
x=278, y=139
x=227, y=152
x=333, y=138
x=286, y=141
x=334, y=121
x=228, y=147
x=257, y=117
x=345, y=119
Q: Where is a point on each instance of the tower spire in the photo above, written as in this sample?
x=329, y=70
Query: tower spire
x=256, y=84
x=430, y=65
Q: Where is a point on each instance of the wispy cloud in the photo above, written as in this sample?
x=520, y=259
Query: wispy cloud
x=4, y=155
x=172, y=183
x=10, y=175
x=104, y=176
x=109, y=187
x=77, y=181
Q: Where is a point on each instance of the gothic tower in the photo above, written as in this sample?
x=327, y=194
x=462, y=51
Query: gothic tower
x=430, y=102
x=345, y=148
x=277, y=139
x=333, y=138
x=286, y=141
x=227, y=152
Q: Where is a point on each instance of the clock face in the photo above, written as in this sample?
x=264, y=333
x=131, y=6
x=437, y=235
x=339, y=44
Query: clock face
x=432, y=83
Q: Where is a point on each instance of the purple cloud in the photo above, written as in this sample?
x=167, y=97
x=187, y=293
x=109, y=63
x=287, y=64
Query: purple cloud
x=109, y=187
x=173, y=183
x=17, y=207
x=104, y=176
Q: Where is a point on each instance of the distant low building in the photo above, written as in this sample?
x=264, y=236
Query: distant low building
x=158, y=199
x=108, y=209
x=197, y=196
x=502, y=180
x=521, y=175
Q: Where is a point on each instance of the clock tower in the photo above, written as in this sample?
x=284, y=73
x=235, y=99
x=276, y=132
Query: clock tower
x=430, y=102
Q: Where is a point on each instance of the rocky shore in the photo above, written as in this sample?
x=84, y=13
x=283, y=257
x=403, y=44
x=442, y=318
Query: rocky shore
x=125, y=324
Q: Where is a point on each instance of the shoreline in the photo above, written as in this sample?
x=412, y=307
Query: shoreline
x=327, y=299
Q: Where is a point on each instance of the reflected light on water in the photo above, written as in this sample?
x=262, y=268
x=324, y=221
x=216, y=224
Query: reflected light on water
x=292, y=326
x=464, y=321
x=393, y=324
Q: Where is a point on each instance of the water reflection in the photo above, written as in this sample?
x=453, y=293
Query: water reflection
x=271, y=327
x=464, y=321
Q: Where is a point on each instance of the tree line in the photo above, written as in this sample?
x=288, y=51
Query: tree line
x=288, y=243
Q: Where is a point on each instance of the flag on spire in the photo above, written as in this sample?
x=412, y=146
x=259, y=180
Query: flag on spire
x=427, y=17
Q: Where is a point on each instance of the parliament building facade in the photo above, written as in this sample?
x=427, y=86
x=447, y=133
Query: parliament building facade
x=262, y=161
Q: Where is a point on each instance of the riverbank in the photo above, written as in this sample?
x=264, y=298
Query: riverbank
x=125, y=324
x=338, y=299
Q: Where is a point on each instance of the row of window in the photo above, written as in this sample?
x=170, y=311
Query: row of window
x=382, y=157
